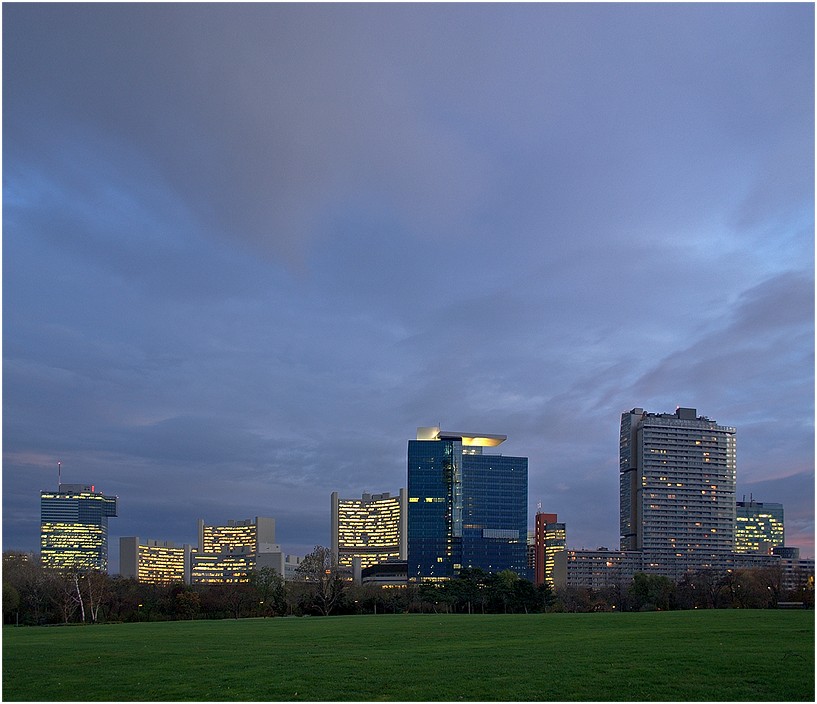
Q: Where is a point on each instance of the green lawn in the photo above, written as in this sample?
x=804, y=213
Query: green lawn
x=681, y=655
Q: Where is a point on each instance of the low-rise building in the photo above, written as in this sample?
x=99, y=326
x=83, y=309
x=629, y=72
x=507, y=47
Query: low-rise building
x=595, y=569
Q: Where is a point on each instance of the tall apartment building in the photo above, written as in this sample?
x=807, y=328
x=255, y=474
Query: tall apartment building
x=74, y=527
x=229, y=552
x=549, y=539
x=759, y=527
x=372, y=528
x=465, y=509
x=677, y=489
x=678, y=510
x=154, y=561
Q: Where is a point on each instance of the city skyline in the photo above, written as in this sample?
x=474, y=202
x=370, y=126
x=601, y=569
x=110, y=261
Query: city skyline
x=248, y=250
x=480, y=440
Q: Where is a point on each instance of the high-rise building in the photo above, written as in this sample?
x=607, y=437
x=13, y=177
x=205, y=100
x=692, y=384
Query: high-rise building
x=229, y=552
x=758, y=527
x=372, y=528
x=465, y=509
x=549, y=539
x=154, y=561
x=74, y=527
x=677, y=489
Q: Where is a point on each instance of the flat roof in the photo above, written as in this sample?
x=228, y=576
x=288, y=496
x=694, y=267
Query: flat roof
x=468, y=439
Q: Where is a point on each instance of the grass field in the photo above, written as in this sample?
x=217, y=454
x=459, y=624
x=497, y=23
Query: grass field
x=670, y=656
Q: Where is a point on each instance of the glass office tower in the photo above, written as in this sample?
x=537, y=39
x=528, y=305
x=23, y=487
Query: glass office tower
x=74, y=527
x=465, y=509
x=759, y=527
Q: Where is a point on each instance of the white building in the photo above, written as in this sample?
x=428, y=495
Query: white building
x=677, y=489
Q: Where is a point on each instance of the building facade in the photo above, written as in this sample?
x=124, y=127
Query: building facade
x=229, y=552
x=74, y=527
x=678, y=512
x=549, y=539
x=465, y=509
x=677, y=489
x=759, y=527
x=372, y=528
x=798, y=574
x=595, y=569
x=154, y=561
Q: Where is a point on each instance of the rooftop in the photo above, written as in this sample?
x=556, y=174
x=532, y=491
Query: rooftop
x=468, y=439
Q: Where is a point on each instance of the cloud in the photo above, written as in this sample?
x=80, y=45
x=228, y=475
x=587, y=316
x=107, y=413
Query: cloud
x=251, y=248
x=747, y=358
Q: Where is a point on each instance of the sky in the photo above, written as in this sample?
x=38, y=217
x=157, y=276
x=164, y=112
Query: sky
x=249, y=249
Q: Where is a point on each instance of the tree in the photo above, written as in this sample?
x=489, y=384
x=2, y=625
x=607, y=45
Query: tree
x=11, y=600
x=525, y=596
x=73, y=577
x=504, y=585
x=271, y=591
x=188, y=604
x=96, y=586
x=320, y=569
x=703, y=588
x=25, y=573
x=573, y=599
x=236, y=598
x=123, y=599
x=770, y=585
x=430, y=593
x=473, y=587
x=63, y=594
x=649, y=592
x=611, y=597
x=545, y=596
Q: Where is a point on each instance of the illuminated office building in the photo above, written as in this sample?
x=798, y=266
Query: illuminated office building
x=237, y=536
x=549, y=539
x=153, y=561
x=229, y=552
x=465, y=509
x=758, y=527
x=372, y=528
x=677, y=489
x=74, y=527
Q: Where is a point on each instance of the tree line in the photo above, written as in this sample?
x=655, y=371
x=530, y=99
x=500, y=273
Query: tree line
x=34, y=595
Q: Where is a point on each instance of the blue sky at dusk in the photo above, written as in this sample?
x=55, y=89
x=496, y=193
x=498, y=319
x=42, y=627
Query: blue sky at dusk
x=249, y=249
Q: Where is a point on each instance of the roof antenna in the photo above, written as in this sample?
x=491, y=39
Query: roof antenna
x=59, y=475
